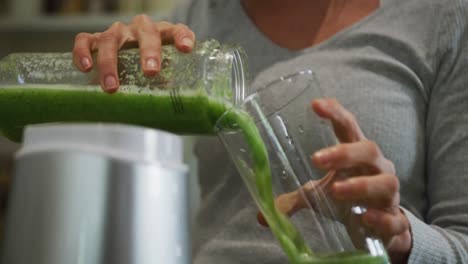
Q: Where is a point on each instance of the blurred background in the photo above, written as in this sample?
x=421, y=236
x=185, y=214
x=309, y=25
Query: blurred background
x=50, y=26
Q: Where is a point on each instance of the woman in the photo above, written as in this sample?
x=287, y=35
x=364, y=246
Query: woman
x=397, y=65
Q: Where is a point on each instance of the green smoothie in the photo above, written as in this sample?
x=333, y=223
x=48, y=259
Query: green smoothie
x=186, y=113
x=189, y=113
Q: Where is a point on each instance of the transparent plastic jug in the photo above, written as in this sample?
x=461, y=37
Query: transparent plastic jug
x=270, y=137
x=187, y=97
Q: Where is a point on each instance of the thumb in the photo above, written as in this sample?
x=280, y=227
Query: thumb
x=287, y=203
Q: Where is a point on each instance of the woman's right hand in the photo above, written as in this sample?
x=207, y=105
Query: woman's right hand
x=142, y=32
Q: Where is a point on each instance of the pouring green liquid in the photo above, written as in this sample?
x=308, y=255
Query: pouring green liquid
x=190, y=113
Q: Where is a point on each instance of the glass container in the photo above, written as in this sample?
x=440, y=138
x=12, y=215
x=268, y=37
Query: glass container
x=270, y=138
x=191, y=92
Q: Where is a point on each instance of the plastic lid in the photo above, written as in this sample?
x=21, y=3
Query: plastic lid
x=117, y=141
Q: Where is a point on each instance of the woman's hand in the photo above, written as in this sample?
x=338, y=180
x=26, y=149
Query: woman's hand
x=370, y=181
x=142, y=33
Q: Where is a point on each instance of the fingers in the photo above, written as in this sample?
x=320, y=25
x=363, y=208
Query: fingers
x=84, y=44
x=380, y=195
x=179, y=34
x=344, y=123
x=109, y=44
x=384, y=222
x=364, y=153
x=370, y=180
x=292, y=202
x=149, y=40
x=287, y=203
x=184, y=38
x=142, y=33
x=379, y=191
x=152, y=35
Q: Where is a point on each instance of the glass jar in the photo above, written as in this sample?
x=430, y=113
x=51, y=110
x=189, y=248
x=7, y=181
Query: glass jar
x=187, y=97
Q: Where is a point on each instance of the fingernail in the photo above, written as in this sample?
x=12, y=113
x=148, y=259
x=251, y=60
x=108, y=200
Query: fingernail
x=110, y=83
x=322, y=156
x=322, y=102
x=325, y=156
x=85, y=63
x=152, y=64
x=187, y=42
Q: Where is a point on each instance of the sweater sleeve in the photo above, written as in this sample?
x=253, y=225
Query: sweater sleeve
x=442, y=237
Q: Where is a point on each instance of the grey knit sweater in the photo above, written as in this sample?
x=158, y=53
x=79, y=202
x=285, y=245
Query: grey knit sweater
x=403, y=72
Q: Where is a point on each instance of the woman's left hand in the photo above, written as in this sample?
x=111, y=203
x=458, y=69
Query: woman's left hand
x=371, y=180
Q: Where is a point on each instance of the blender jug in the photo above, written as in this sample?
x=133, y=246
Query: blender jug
x=98, y=194
x=270, y=137
x=187, y=97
